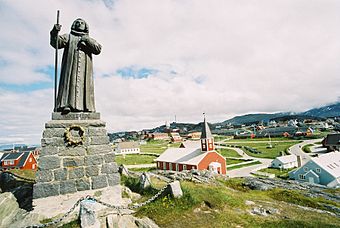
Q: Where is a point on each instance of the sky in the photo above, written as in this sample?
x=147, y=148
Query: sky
x=167, y=58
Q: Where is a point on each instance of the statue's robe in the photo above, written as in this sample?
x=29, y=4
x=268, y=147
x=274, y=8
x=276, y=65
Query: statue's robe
x=76, y=89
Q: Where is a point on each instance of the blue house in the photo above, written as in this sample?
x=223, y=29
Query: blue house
x=324, y=170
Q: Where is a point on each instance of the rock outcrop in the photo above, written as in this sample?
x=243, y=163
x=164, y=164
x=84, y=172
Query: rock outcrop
x=11, y=216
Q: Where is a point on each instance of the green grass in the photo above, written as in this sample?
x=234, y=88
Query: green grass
x=26, y=173
x=276, y=150
x=226, y=152
x=223, y=205
x=244, y=165
x=135, y=159
x=231, y=161
x=249, y=140
x=306, y=148
x=158, y=146
x=149, y=169
x=296, y=197
x=278, y=173
x=73, y=224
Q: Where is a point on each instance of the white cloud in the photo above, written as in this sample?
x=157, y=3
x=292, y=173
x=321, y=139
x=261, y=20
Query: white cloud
x=230, y=57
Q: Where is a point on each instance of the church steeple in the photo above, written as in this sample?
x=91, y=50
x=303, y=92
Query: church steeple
x=207, y=141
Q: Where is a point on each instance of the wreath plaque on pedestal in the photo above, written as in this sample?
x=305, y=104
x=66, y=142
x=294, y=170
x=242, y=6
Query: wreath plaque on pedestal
x=70, y=139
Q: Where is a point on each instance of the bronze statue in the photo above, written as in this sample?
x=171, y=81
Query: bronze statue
x=76, y=90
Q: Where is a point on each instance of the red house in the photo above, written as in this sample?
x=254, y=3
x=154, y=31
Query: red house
x=203, y=158
x=18, y=160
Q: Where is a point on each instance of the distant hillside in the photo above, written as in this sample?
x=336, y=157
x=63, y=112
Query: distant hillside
x=298, y=117
x=325, y=111
x=252, y=118
x=315, y=113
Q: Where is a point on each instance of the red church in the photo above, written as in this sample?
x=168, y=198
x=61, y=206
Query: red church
x=201, y=158
x=18, y=160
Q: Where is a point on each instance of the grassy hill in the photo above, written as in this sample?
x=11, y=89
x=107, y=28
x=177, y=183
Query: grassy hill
x=229, y=203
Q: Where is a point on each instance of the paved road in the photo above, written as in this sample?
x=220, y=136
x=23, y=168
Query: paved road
x=245, y=171
x=297, y=150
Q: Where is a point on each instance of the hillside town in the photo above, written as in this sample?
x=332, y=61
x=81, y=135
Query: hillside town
x=303, y=151
x=71, y=159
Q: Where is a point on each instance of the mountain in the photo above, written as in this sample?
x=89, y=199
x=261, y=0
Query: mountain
x=252, y=118
x=332, y=110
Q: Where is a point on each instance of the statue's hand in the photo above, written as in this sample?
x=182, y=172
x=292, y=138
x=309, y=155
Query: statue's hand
x=57, y=27
x=84, y=39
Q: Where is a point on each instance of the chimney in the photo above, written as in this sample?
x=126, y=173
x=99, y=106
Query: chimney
x=298, y=160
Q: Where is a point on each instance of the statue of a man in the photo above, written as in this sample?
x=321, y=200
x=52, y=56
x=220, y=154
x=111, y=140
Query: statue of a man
x=76, y=90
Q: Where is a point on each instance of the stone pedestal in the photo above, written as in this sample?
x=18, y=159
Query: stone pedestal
x=75, y=156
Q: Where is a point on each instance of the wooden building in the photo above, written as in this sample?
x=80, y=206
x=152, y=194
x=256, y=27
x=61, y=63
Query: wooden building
x=18, y=160
x=202, y=158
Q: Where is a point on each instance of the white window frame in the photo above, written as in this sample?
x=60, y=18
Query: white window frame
x=184, y=167
x=164, y=165
x=177, y=167
x=170, y=166
x=318, y=170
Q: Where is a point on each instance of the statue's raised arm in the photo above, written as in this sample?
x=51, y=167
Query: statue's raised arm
x=76, y=90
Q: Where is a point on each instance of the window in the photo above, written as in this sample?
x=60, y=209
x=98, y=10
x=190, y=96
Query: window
x=318, y=170
x=11, y=162
x=177, y=168
x=164, y=165
x=305, y=169
x=184, y=167
x=30, y=160
x=170, y=166
x=302, y=177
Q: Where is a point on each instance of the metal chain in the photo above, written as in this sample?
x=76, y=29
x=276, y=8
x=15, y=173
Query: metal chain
x=56, y=221
x=135, y=206
x=17, y=176
x=118, y=208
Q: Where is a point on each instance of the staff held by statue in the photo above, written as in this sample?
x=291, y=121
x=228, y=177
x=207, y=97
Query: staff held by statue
x=56, y=67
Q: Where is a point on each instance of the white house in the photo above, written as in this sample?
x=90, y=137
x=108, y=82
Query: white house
x=127, y=148
x=285, y=162
x=324, y=170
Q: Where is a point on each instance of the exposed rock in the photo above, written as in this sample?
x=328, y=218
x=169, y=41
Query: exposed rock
x=129, y=221
x=8, y=208
x=309, y=190
x=125, y=221
x=145, y=181
x=21, y=190
x=198, y=176
x=12, y=216
x=132, y=195
x=175, y=189
x=248, y=202
x=259, y=211
x=87, y=214
x=145, y=223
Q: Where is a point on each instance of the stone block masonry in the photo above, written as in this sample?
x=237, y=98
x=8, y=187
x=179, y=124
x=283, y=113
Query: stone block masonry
x=75, y=156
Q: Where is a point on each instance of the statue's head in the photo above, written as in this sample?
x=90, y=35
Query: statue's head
x=79, y=25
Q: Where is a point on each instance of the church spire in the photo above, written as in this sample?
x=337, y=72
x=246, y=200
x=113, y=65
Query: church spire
x=207, y=141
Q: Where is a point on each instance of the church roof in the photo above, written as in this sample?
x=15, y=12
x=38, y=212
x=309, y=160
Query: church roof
x=206, y=133
x=189, y=156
